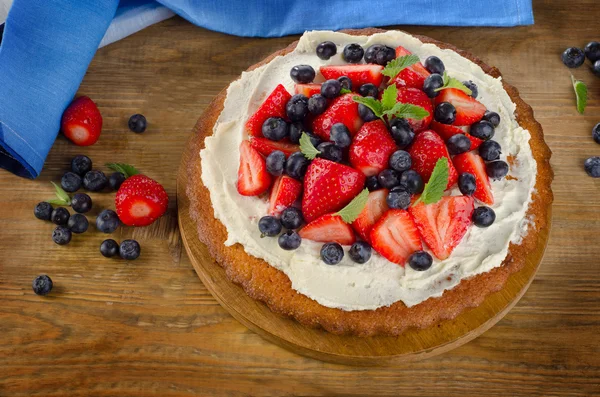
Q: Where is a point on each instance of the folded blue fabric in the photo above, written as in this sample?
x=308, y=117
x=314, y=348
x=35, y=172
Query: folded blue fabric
x=47, y=46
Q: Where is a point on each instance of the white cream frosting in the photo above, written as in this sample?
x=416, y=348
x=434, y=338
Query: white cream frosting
x=377, y=283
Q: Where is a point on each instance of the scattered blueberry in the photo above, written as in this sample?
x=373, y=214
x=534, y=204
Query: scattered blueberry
x=413, y=181
x=331, y=88
x=445, y=113
x=60, y=216
x=42, y=285
x=109, y=248
x=365, y=113
x=482, y=129
x=490, y=150
x=458, y=144
x=275, y=162
x=492, y=117
x=275, y=128
x=78, y=223
x=70, y=182
x=345, y=82
x=330, y=151
x=400, y=161
x=388, y=178
x=269, y=226
x=372, y=183
x=332, y=253
x=353, y=53
x=592, y=167
x=289, y=240
x=81, y=203
x=95, y=180
x=596, y=133
x=296, y=132
x=61, y=235
x=137, y=123
x=592, y=51
x=296, y=165
x=297, y=107
x=573, y=57
x=360, y=252
x=497, y=169
x=130, y=250
x=379, y=54
x=483, y=216
x=431, y=84
x=435, y=65
x=467, y=183
x=402, y=133
x=107, y=221
x=317, y=104
x=302, y=74
x=326, y=50
x=398, y=198
x=291, y=218
x=43, y=211
x=340, y=135
x=596, y=68
x=81, y=165
x=115, y=180
x=368, y=89
x=420, y=261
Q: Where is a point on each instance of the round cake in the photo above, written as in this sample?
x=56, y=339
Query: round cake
x=369, y=181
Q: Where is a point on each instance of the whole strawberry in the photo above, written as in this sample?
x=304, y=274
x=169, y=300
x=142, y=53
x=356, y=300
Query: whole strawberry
x=82, y=122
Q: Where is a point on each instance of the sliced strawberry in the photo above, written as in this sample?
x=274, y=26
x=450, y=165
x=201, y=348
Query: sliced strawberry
x=395, y=236
x=285, y=192
x=468, y=109
x=253, y=178
x=473, y=164
x=329, y=228
x=307, y=90
x=328, y=187
x=371, y=148
x=447, y=130
x=413, y=76
x=418, y=98
x=427, y=148
x=266, y=146
x=82, y=122
x=375, y=208
x=342, y=109
x=273, y=106
x=359, y=74
x=442, y=225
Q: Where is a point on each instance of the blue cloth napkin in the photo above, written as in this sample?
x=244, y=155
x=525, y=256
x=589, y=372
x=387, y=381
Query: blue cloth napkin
x=48, y=45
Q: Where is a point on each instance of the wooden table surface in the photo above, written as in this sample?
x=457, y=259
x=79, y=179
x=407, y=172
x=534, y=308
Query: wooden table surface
x=150, y=328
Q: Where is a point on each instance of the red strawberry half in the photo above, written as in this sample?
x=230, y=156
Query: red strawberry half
x=473, y=164
x=328, y=187
x=140, y=201
x=273, y=106
x=373, y=211
x=395, y=236
x=266, y=146
x=359, y=74
x=307, y=90
x=285, y=192
x=371, y=148
x=328, y=228
x=418, y=98
x=413, y=76
x=82, y=122
x=442, y=225
x=445, y=131
x=342, y=109
x=253, y=178
x=427, y=148
x=468, y=109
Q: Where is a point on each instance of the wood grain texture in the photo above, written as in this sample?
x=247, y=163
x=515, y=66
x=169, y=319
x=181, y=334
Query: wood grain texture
x=150, y=327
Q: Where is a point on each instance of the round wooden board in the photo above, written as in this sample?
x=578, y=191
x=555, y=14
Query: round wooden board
x=414, y=344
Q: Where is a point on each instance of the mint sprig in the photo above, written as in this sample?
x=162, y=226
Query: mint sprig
x=434, y=189
x=62, y=197
x=395, y=66
x=351, y=211
x=389, y=107
x=581, y=92
x=451, y=82
x=307, y=148
x=345, y=91
x=407, y=111
x=125, y=169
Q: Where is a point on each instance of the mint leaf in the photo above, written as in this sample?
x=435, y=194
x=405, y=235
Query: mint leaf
x=371, y=103
x=434, y=189
x=395, y=66
x=451, y=82
x=125, y=169
x=580, y=93
x=350, y=212
x=344, y=91
x=407, y=111
x=307, y=148
x=389, y=97
x=62, y=198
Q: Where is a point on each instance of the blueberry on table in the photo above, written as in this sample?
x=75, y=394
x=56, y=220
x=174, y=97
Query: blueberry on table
x=70, y=182
x=332, y=253
x=269, y=226
x=289, y=240
x=345, y=82
x=81, y=165
x=467, y=183
x=497, y=169
x=291, y=218
x=302, y=74
x=61, y=235
x=473, y=87
x=372, y=183
x=368, y=89
x=444, y=113
x=115, y=180
x=420, y=261
x=388, y=178
x=78, y=223
x=353, y=53
x=95, y=181
x=490, y=150
x=109, y=248
x=130, y=250
x=380, y=54
x=330, y=151
x=81, y=203
x=573, y=57
x=401, y=132
x=400, y=161
x=107, y=221
x=43, y=211
x=275, y=128
x=137, y=123
x=596, y=133
x=59, y=216
x=297, y=107
x=432, y=83
x=275, y=162
x=398, y=198
x=365, y=113
x=360, y=252
x=42, y=285
x=413, y=181
x=483, y=130
x=458, y=144
x=434, y=64
x=326, y=50
x=296, y=165
x=331, y=88
x=592, y=167
x=483, y=216
x=317, y=104
x=596, y=68
x=592, y=51
x=340, y=135
x=492, y=117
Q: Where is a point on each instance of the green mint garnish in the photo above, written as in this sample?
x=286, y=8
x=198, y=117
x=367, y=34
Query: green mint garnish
x=434, y=189
x=125, y=169
x=580, y=93
x=350, y=212
x=62, y=198
x=307, y=148
x=451, y=82
x=407, y=111
x=389, y=107
x=389, y=97
x=344, y=91
x=395, y=66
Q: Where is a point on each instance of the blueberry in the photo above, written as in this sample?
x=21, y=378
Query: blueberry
x=78, y=223
x=365, y=113
x=388, y=178
x=275, y=128
x=275, y=162
x=61, y=235
x=81, y=203
x=482, y=129
x=379, y=54
x=413, y=181
x=402, y=132
x=483, y=216
x=345, y=82
x=289, y=240
x=296, y=132
x=458, y=144
x=445, y=113
x=302, y=74
x=95, y=180
x=360, y=252
x=60, y=216
x=292, y=218
x=330, y=151
x=297, y=107
x=42, y=285
x=592, y=51
x=137, y=123
x=368, y=89
x=573, y=57
x=490, y=150
x=596, y=68
x=592, y=167
x=326, y=50
x=331, y=88
x=70, y=182
x=43, y=211
x=420, y=261
x=130, y=250
x=433, y=82
x=109, y=248
x=115, y=180
x=596, y=133
x=332, y=253
x=434, y=64
x=472, y=86
x=398, y=198
x=467, y=183
x=372, y=183
x=296, y=165
x=496, y=169
x=269, y=226
x=353, y=53
x=492, y=117
x=107, y=221
x=400, y=161
x=315, y=140
x=317, y=104
x=340, y=135
x=81, y=165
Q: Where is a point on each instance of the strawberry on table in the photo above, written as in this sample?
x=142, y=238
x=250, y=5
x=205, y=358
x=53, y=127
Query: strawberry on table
x=273, y=106
x=359, y=74
x=286, y=190
x=427, y=148
x=445, y=131
x=395, y=236
x=413, y=76
x=82, y=122
x=473, y=164
x=371, y=148
x=343, y=110
x=253, y=177
x=419, y=98
x=468, y=109
x=329, y=228
x=307, y=90
x=266, y=146
x=374, y=209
